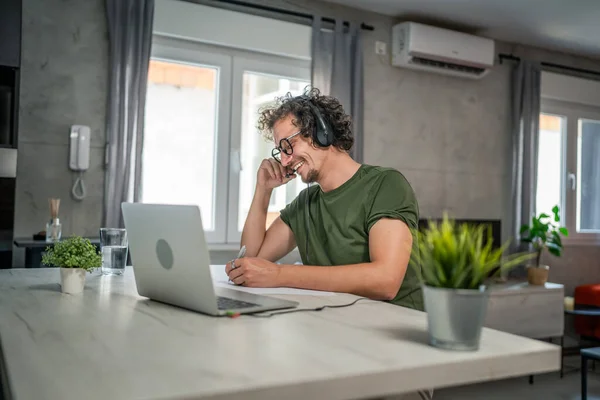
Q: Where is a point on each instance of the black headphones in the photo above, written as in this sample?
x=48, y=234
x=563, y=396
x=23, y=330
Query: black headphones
x=322, y=134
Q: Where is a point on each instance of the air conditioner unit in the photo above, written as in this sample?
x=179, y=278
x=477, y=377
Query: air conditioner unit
x=428, y=48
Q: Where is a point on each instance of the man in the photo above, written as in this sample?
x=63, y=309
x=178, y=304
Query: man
x=352, y=229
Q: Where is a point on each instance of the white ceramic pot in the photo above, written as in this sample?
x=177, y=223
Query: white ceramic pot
x=72, y=280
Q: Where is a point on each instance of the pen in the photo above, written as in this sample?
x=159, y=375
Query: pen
x=241, y=254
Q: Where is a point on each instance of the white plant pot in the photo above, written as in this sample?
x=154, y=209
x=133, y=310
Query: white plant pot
x=72, y=280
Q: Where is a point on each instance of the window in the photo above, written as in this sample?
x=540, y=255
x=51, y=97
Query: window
x=569, y=167
x=550, y=160
x=201, y=145
x=588, y=175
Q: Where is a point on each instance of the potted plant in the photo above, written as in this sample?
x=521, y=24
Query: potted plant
x=74, y=256
x=543, y=233
x=456, y=262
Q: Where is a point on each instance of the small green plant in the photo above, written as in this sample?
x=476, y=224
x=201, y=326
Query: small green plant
x=460, y=256
x=74, y=252
x=544, y=233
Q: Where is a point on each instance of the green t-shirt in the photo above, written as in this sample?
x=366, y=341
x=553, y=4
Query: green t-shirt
x=340, y=221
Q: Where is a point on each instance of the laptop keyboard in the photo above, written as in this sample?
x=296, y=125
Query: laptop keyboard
x=226, y=303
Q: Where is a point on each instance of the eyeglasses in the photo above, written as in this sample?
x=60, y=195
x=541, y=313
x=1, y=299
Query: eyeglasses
x=284, y=146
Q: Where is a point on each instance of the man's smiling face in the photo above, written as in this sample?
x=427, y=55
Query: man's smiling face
x=305, y=159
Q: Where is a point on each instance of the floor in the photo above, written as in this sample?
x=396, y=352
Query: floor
x=545, y=387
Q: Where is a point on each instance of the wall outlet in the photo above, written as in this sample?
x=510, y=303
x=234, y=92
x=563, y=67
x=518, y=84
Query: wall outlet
x=380, y=48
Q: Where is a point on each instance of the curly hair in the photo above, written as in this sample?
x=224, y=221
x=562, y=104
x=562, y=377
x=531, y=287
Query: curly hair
x=329, y=107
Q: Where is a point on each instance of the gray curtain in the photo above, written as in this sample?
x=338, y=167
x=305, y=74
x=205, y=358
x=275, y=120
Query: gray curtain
x=337, y=70
x=130, y=39
x=526, y=92
x=590, y=176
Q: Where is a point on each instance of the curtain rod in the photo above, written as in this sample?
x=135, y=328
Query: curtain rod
x=287, y=12
x=551, y=65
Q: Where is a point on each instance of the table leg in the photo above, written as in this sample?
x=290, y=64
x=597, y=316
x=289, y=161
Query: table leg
x=583, y=377
x=531, y=379
x=562, y=355
x=28, y=257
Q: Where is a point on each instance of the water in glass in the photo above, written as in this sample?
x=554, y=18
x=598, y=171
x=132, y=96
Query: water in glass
x=114, y=259
x=113, y=243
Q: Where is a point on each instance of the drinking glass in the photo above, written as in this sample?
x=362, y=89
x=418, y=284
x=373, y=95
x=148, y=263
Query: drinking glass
x=113, y=244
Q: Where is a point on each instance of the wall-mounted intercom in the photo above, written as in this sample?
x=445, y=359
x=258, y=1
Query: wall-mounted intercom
x=79, y=156
x=79, y=159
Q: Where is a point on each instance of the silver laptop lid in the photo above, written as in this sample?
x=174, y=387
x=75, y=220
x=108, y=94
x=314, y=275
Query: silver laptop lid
x=169, y=254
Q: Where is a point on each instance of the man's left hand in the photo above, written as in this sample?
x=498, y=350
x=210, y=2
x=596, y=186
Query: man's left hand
x=253, y=272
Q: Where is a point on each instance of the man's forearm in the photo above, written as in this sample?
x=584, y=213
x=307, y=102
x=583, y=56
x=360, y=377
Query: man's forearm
x=254, y=231
x=367, y=280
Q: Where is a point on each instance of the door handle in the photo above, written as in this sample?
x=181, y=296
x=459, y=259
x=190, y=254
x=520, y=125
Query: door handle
x=236, y=160
x=572, y=181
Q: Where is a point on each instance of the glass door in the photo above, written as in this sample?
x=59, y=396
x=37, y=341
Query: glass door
x=259, y=82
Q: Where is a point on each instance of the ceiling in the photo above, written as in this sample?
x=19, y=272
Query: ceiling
x=569, y=26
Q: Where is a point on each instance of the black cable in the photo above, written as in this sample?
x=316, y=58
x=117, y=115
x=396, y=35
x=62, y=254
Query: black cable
x=306, y=221
x=308, y=309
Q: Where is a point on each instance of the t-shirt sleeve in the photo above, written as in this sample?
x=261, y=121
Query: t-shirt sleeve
x=286, y=213
x=395, y=199
x=290, y=211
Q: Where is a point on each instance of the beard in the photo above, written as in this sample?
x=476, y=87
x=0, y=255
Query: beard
x=312, y=176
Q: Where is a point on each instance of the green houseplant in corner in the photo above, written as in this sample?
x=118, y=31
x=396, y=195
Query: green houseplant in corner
x=456, y=261
x=543, y=233
x=74, y=256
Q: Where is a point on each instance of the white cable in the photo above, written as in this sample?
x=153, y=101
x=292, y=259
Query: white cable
x=79, y=182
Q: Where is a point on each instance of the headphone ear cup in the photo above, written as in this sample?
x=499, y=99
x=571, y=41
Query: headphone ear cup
x=322, y=134
x=322, y=137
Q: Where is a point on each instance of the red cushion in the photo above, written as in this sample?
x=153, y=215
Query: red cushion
x=587, y=295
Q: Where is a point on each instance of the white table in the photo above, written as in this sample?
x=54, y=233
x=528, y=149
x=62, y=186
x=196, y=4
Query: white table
x=109, y=343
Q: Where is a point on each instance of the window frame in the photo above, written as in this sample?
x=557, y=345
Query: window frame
x=231, y=63
x=572, y=112
x=178, y=51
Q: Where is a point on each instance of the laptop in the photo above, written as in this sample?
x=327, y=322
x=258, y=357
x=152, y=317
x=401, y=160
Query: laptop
x=171, y=262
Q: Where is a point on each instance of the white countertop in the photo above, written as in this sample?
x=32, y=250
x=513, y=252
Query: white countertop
x=110, y=343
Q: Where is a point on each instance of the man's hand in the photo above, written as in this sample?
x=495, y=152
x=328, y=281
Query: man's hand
x=253, y=272
x=271, y=174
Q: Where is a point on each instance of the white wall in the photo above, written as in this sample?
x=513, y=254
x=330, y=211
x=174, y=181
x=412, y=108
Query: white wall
x=174, y=18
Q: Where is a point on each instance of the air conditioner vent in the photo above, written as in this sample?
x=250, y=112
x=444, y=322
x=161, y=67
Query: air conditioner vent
x=448, y=66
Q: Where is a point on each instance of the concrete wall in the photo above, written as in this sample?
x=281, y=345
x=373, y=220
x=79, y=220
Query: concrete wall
x=449, y=136
x=63, y=82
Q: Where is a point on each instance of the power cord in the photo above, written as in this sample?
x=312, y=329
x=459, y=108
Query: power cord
x=233, y=315
x=82, y=191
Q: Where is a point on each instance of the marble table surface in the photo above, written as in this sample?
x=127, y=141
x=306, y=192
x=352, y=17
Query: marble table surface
x=110, y=343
